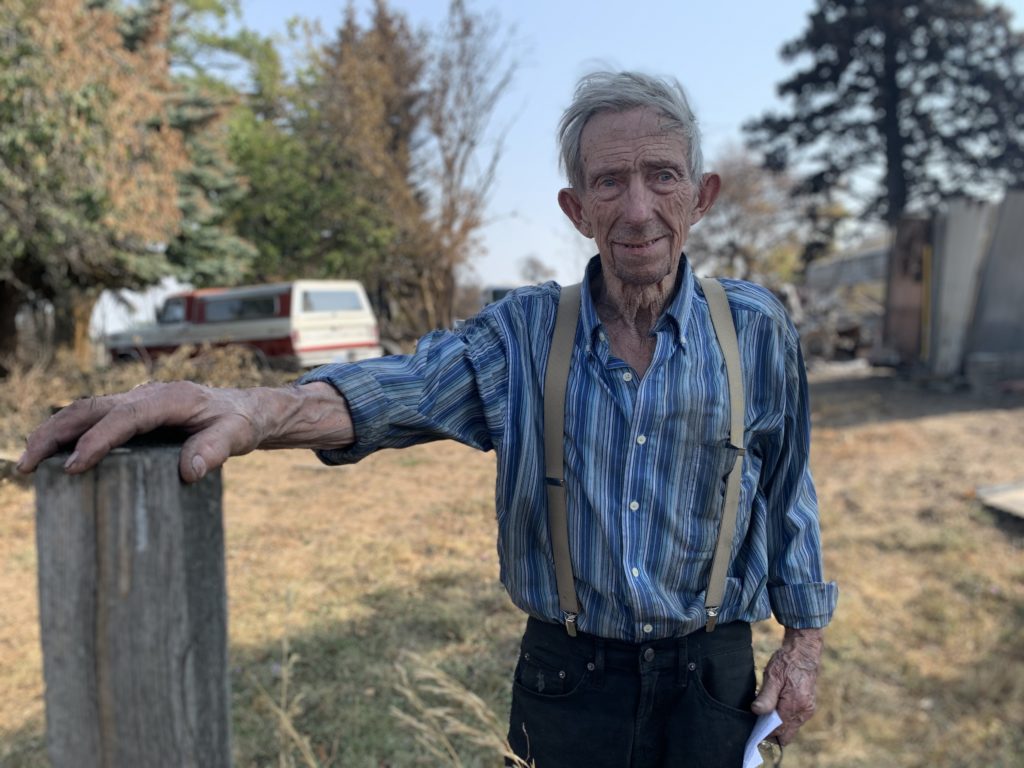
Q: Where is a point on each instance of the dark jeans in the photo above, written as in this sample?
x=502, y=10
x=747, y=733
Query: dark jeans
x=674, y=703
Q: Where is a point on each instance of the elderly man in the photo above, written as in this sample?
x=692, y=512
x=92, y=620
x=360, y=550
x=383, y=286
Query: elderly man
x=627, y=660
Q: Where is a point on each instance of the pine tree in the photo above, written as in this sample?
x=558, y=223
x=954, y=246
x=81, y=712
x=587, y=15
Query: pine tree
x=408, y=112
x=206, y=250
x=369, y=96
x=87, y=154
x=927, y=94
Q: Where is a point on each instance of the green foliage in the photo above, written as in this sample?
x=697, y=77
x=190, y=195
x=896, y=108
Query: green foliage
x=307, y=221
x=361, y=115
x=404, y=114
x=146, y=138
x=85, y=154
x=926, y=93
x=308, y=208
x=206, y=250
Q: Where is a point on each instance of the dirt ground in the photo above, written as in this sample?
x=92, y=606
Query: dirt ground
x=355, y=567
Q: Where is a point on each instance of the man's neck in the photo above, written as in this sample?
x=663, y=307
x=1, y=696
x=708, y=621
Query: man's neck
x=629, y=313
x=633, y=307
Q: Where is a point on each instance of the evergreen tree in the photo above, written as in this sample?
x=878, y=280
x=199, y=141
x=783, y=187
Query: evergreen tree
x=310, y=208
x=86, y=157
x=364, y=117
x=407, y=113
x=307, y=217
x=927, y=93
x=206, y=249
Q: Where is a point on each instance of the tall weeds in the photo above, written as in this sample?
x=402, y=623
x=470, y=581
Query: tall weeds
x=443, y=715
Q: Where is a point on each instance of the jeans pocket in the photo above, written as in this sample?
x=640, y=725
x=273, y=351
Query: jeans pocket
x=542, y=673
x=728, y=683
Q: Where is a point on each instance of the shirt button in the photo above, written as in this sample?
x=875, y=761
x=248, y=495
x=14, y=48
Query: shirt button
x=641, y=440
x=648, y=628
x=634, y=505
x=602, y=337
x=627, y=376
x=636, y=572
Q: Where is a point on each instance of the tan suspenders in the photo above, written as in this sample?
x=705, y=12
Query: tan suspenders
x=555, y=383
x=725, y=330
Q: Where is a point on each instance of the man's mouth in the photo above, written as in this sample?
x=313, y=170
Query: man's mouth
x=640, y=245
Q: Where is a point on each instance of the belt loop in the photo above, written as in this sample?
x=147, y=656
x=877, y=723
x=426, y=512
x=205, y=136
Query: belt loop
x=683, y=662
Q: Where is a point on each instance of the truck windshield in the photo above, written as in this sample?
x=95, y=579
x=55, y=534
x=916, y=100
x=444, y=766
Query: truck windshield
x=331, y=301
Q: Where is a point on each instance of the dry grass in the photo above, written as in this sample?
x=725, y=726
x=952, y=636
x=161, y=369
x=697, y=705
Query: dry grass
x=359, y=567
x=442, y=713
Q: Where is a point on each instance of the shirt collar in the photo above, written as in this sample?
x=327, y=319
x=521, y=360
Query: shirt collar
x=677, y=312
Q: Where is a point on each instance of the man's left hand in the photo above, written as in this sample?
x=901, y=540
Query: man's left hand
x=789, y=681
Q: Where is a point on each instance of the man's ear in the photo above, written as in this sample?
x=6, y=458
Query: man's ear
x=710, y=186
x=571, y=206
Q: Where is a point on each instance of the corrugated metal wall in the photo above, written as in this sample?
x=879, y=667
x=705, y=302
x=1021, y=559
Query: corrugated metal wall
x=999, y=317
x=962, y=237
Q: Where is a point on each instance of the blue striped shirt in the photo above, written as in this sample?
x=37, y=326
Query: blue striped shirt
x=645, y=458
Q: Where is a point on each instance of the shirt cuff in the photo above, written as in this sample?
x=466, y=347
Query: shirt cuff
x=804, y=606
x=364, y=395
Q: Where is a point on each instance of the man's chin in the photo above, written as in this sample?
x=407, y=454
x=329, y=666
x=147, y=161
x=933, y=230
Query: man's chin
x=646, y=273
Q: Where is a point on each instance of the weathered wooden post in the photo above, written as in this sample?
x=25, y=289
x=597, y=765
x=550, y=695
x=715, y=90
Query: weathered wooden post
x=132, y=606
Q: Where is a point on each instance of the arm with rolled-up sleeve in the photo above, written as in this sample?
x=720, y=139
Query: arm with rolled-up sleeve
x=449, y=388
x=799, y=595
x=802, y=601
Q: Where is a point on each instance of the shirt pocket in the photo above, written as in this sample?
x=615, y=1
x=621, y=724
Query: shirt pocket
x=713, y=462
x=702, y=479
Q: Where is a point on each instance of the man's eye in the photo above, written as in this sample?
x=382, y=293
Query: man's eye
x=666, y=176
x=606, y=182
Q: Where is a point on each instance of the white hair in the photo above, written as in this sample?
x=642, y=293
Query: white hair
x=620, y=92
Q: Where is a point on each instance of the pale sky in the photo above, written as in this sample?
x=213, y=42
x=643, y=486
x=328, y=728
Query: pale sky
x=725, y=53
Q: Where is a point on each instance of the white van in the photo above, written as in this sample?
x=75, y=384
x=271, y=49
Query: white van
x=298, y=324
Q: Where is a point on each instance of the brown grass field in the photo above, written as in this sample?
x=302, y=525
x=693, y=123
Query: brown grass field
x=347, y=585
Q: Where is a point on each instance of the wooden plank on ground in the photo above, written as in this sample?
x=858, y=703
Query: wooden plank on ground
x=1007, y=498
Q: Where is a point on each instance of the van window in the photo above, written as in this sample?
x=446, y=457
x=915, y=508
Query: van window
x=331, y=301
x=173, y=311
x=220, y=310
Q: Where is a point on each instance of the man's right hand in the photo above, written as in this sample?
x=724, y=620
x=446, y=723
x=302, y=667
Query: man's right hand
x=220, y=422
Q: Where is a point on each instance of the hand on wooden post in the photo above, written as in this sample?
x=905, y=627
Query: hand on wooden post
x=220, y=423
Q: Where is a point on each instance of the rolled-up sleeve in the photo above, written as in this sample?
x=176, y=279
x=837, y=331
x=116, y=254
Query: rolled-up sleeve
x=446, y=389
x=799, y=595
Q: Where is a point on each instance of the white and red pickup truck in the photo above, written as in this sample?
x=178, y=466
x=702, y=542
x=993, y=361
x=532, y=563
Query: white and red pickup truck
x=297, y=324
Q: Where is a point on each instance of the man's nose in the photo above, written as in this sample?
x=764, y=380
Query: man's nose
x=639, y=201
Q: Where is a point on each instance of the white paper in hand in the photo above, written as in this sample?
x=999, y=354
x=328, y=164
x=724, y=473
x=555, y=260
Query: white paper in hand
x=765, y=724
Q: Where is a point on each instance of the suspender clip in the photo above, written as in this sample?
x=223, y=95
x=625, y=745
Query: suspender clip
x=712, y=611
x=570, y=623
x=556, y=481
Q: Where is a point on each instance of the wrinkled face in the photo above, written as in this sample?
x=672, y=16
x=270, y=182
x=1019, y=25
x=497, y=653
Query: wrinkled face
x=638, y=200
